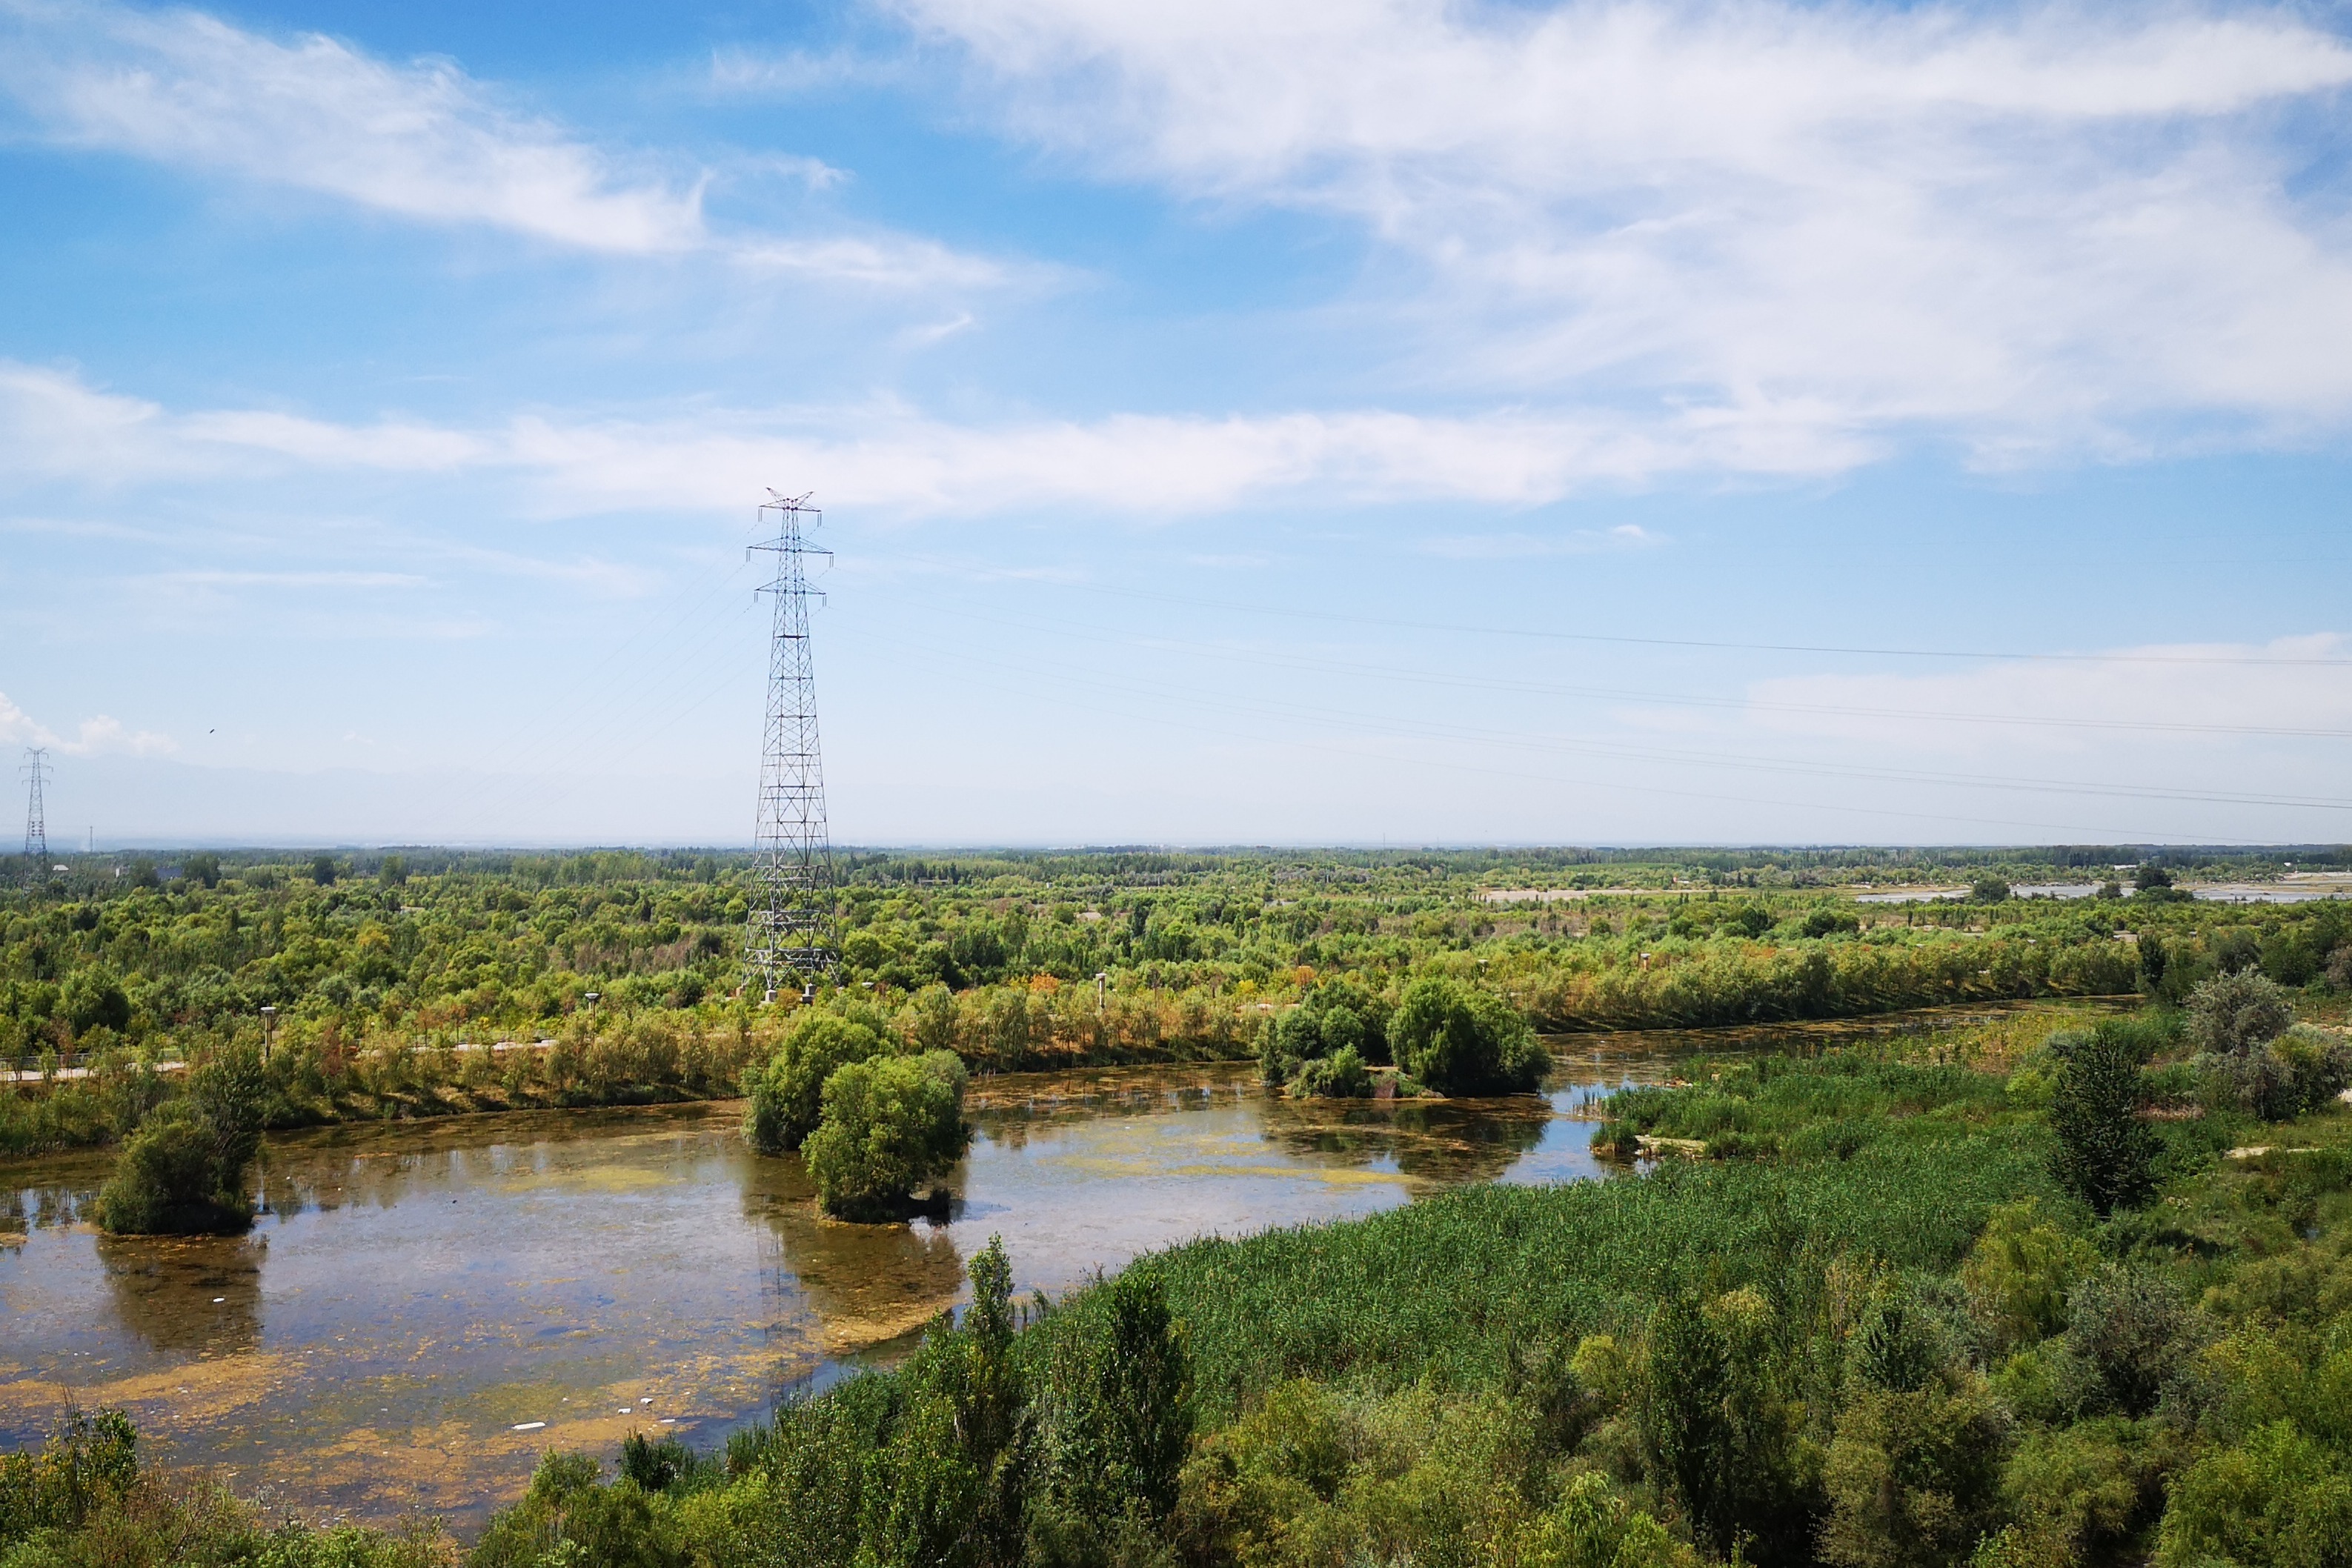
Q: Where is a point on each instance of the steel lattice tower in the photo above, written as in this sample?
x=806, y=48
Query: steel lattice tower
x=790, y=927
x=36, y=827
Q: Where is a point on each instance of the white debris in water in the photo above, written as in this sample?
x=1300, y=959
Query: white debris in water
x=529, y=1425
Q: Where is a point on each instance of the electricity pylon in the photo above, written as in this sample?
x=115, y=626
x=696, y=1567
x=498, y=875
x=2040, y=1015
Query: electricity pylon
x=791, y=925
x=36, y=827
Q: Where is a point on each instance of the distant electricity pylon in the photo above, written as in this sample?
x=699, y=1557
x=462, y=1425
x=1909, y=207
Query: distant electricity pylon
x=36, y=827
x=791, y=928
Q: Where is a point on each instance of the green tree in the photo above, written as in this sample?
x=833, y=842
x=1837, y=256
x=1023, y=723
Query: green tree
x=958, y=1470
x=183, y=1171
x=1458, y=1039
x=1116, y=1423
x=1720, y=1426
x=2280, y=1500
x=393, y=872
x=323, y=870
x=2106, y=1154
x=889, y=1125
x=787, y=1095
x=1913, y=1474
x=93, y=999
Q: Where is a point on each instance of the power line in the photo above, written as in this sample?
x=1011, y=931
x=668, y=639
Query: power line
x=1257, y=657
x=1292, y=613
x=1378, y=725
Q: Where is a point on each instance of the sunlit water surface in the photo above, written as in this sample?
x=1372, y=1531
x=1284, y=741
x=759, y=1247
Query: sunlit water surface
x=417, y=1298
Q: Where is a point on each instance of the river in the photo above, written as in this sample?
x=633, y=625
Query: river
x=423, y=1308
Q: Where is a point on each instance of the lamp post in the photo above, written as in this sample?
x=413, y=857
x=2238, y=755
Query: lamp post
x=269, y=1031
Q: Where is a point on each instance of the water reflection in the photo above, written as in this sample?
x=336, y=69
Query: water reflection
x=200, y=1294
x=1447, y=1144
x=421, y=1308
x=843, y=1286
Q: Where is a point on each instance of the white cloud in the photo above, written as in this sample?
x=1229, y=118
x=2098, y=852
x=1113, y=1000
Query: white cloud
x=94, y=736
x=897, y=461
x=893, y=460
x=2062, y=229
x=2205, y=695
x=422, y=140
x=1513, y=546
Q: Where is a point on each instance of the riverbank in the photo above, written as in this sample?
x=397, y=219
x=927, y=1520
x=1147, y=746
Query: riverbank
x=1894, y=1282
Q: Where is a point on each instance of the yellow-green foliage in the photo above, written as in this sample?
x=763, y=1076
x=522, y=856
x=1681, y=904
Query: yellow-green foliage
x=889, y=1125
x=2018, y=1273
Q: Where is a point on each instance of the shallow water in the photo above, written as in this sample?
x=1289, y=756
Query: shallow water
x=418, y=1299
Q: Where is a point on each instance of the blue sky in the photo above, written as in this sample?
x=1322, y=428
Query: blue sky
x=1331, y=422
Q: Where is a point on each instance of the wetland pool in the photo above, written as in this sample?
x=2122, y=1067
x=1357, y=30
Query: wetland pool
x=425, y=1307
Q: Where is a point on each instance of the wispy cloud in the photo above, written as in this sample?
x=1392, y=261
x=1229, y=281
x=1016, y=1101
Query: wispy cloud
x=92, y=737
x=2139, y=695
x=422, y=141
x=898, y=461
x=2058, y=229
x=1510, y=546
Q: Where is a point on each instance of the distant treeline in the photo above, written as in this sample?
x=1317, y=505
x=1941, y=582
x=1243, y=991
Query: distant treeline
x=1018, y=960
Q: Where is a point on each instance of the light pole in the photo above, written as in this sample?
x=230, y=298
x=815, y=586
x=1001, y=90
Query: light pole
x=269, y=1031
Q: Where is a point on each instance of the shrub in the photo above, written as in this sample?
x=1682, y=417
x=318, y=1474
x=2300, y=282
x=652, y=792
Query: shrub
x=2080, y=1492
x=2232, y=1013
x=1913, y=1474
x=183, y=1171
x=787, y=1095
x=2018, y=1273
x=2128, y=1328
x=2105, y=1156
x=566, y=1518
x=1591, y=1527
x=1340, y=1076
x=2280, y=1500
x=889, y=1126
x=1459, y=1040
x=87, y=1462
x=2280, y=1079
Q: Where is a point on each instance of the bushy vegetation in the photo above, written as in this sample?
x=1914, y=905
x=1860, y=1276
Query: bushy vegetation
x=1918, y=1348
x=889, y=1125
x=382, y=966
x=183, y=1171
x=1881, y=1320
x=81, y=1501
x=787, y=1096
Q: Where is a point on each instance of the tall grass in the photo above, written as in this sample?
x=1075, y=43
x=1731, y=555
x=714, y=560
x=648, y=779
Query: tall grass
x=1445, y=1287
